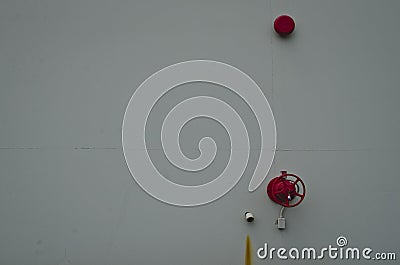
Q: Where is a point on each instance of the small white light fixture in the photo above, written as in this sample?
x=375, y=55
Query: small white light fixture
x=249, y=217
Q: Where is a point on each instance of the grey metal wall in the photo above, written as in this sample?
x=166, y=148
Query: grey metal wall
x=68, y=69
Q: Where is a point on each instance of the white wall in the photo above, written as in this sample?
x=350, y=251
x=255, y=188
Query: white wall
x=68, y=69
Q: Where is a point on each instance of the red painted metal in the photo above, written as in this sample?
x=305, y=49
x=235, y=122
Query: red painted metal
x=284, y=25
x=285, y=188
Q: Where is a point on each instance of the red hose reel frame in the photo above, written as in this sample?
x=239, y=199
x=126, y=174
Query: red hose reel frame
x=285, y=188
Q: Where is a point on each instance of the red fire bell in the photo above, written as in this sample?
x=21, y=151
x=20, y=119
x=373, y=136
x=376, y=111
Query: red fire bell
x=284, y=25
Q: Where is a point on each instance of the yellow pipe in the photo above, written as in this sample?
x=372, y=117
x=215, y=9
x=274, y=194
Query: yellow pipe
x=247, y=258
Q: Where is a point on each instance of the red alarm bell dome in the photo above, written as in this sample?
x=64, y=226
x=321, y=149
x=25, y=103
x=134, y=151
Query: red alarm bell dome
x=284, y=25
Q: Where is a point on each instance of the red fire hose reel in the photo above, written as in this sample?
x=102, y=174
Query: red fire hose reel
x=287, y=189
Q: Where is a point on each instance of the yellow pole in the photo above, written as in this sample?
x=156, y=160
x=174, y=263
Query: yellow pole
x=247, y=258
